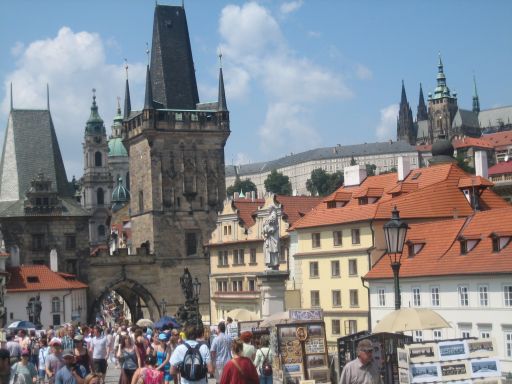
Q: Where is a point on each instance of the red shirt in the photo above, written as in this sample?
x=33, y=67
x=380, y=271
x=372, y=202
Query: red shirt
x=232, y=375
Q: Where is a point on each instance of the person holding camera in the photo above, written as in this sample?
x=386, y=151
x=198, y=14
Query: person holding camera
x=70, y=373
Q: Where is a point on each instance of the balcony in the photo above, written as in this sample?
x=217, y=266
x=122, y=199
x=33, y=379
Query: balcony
x=236, y=295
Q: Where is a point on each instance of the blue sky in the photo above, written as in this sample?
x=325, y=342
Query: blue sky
x=299, y=74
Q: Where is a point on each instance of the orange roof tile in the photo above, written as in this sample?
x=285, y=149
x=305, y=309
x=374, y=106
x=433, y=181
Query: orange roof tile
x=404, y=187
x=295, y=207
x=500, y=168
x=499, y=139
x=29, y=278
x=474, y=181
x=339, y=196
x=246, y=208
x=441, y=254
x=369, y=192
x=471, y=142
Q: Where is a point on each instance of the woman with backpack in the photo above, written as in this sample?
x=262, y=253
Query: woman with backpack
x=263, y=361
x=240, y=369
x=148, y=374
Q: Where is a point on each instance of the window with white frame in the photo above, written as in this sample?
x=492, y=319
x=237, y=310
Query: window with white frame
x=335, y=326
x=315, y=240
x=434, y=296
x=356, y=237
x=222, y=285
x=437, y=334
x=465, y=333
x=252, y=285
x=485, y=334
x=335, y=268
x=416, y=297
x=354, y=298
x=418, y=336
x=315, y=299
x=352, y=267
x=508, y=343
x=507, y=295
x=483, y=295
x=463, y=295
x=350, y=327
x=313, y=269
x=337, y=238
x=382, y=297
x=336, y=298
x=236, y=286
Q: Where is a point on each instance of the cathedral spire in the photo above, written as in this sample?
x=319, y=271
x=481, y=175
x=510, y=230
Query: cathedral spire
x=222, y=105
x=94, y=125
x=11, y=97
x=127, y=102
x=422, y=113
x=403, y=99
x=47, y=96
x=148, y=99
x=405, y=125
x=476, y=101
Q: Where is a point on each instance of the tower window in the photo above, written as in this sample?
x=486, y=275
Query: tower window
x=141, y=201
x=100, y=196
x=191, y=243
x=98, y=159
x=101, y=230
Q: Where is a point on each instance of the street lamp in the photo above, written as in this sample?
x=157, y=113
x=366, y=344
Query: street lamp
x=197, y=288
x=395, y=231
x=163, y=306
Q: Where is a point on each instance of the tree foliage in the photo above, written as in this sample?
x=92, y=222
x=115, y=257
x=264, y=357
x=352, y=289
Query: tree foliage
x=241, y=185
x=278, y=183
x=370, y=169
x=322, y=183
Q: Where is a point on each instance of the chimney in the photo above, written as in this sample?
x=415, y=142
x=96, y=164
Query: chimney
x=236, y=195
x=54, y=260
x=404, y=167
x=15, y=256
x=481, y=167
x=354, y=175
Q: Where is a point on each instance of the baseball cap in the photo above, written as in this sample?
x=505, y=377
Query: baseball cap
x=162, y=336
x=55, y=341
x=68, y=352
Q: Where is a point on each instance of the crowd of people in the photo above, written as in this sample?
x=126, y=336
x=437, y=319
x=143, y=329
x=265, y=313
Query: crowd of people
x=81, y=355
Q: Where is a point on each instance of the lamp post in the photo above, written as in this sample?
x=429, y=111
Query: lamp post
x=163, y=306
x=395, y=231
x=197, y=290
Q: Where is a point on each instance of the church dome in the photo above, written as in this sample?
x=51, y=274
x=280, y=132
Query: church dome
x=120, y=195
x=442, y=152
x=116, y=147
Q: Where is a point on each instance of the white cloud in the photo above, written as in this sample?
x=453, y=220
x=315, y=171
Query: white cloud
x=72, y=64
x=291, y=6
x=314, y=34
x=363, y=72
x=386, y=129
x=256, y=53
x=241, y=158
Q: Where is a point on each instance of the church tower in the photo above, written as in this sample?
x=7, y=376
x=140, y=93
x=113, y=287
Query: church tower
x=405, y=125
x=176, y=151
x=97, y=180
x=442, y=107
x=422, y=113
x=476, y=101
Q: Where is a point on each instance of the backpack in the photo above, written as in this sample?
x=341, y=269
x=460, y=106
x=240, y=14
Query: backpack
x=153, y=376
x=266, y=367
x=193, y=367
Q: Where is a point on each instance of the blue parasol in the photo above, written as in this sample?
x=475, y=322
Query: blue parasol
x=167, y=322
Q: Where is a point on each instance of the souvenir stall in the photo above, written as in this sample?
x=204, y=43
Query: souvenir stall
x=255, y=329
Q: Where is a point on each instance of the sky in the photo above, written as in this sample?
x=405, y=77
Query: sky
x=299, y=74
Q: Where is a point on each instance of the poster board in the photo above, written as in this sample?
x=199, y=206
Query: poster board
x=302, y=349
x=449, y=361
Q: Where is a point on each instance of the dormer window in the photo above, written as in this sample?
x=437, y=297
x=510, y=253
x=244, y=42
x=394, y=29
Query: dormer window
x=500, y=240
x=363, y=200
x=463, y=247
x=415, y=246
x=33, y=279
x=468, y=243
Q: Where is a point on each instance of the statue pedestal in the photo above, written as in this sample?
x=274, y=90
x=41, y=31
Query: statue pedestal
x=272, y=288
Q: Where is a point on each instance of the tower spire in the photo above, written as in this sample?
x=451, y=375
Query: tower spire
x=47, y=96
x=476, y=101
x=403, y=99
x=127, y=102
x=148, y=99
x=405, y=125
x=422, y=113
x=11, y=97
x=222, y=104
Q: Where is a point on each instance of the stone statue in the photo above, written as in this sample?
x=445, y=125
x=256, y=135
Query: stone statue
x=186, y=285
x=37, y=310
x=271, y=239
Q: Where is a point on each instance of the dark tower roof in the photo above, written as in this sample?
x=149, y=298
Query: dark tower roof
x=403, y=99
x=422, y=113
x=222, y=104
x=30, y=147
x=148, y=99
x=94, y=125
x=127, y=102
x=405, y=129
x=172, y=65
x=476, y=101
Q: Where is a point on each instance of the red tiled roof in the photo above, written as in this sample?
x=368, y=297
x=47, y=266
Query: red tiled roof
x=499, y=139
x=29, y=278
x=474, y=181
x=404, y=188
x=295, y=207
x=246, y=208
x=471, y=142
x=500, y=168
x=339, y=196
x=424, y=148
x=369, y=192
x=436, y=196
x=441, y=254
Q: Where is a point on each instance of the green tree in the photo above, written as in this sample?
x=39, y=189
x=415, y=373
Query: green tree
x=241, y=185
x=322, y=183
x=278, y=183
x=353, y=161
x=370, y=169
x=462, y=163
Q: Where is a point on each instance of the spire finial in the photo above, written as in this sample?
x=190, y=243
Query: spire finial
x=147, y=51
x=11, y=97
x=118, y=105
x=476, y=101
x=126, y=67
x=220, y=58
x=47, y=96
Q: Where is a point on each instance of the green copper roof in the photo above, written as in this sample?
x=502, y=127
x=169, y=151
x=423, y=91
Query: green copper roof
x=94, y=125
x=118, y=118
x=116, y=147
x=442, y=91
x=120, y=193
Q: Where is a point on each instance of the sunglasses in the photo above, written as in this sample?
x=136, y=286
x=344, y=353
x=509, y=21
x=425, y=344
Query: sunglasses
x=368, y=350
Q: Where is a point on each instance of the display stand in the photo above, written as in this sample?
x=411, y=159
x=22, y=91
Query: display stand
x=272, y=288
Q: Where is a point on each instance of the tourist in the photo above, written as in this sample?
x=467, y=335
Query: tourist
x=361, y=370
x=141, y=343
x=240, y=369
x=99, y=350
x=220, y=350
x=129, y=358
x=148, y=373
x=178, y=355
x=82, y=356
x=264, y=357
x=54, y=361
x=92, y=378
x=70, y=373
x=24, y=368
x=249, y=350
x=163, y=355
x=44, y=351
x=67, y=341
x=14, y=348
x=5, y=366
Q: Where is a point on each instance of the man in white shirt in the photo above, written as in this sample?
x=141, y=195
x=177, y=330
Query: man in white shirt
x=100, y=350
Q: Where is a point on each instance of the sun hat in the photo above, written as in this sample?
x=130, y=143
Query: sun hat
x=163, y=336
x=78, y=338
